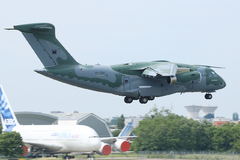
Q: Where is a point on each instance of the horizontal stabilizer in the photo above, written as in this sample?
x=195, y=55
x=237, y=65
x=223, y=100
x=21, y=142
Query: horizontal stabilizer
x=9, y=28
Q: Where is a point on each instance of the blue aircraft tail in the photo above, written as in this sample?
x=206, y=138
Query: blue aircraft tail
x=133, y=137
x=8, y=118
x=126, y=131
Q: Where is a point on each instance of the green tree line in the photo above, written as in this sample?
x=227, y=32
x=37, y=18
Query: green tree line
x=162, y=130
x=11, y=143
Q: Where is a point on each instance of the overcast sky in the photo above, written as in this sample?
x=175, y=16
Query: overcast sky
x=113, y=32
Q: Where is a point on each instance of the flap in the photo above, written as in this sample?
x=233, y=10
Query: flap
x=162, y=69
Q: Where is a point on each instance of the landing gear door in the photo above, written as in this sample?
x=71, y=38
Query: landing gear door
x=127, y=84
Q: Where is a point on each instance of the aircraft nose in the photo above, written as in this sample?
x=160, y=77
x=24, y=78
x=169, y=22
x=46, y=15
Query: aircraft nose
x=222, y=83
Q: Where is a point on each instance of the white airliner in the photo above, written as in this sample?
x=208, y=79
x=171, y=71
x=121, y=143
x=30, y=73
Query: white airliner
x=55, y=139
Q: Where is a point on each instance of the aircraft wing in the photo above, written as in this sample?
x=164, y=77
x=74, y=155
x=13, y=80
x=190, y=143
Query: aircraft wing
x=114, y=139
x=47, y=146
x=161, y=69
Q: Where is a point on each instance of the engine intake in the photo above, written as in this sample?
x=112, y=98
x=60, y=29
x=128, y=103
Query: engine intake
x=25, y=151
x=121, y=145
x=105, y=149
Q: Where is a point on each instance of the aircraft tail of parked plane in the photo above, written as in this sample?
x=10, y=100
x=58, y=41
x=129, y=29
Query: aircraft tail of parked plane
x=9, y=120
x=55, y=139
x=127, y=130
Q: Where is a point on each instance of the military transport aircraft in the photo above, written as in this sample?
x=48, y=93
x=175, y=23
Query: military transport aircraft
x=136, y=80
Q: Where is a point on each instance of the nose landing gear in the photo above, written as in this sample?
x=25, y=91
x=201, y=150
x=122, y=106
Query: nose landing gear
x=208, y=96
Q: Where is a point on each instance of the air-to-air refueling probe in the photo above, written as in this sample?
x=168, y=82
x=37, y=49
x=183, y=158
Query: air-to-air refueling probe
x=141, y=81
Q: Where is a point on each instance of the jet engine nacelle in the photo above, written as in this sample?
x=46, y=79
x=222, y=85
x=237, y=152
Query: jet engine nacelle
x=185, y=78
x=121, y=145
x=26, y=151
x=105, y=149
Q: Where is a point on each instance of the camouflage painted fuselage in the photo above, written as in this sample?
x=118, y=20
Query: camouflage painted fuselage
x=127, y=79
x=133, y=80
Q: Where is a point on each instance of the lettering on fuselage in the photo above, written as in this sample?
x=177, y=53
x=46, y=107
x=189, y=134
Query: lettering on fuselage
x=99, y=73
x=65, y=135
x=10, y=122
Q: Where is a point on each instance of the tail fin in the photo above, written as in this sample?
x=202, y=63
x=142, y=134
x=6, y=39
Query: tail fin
x=126, y=131
x=8, y=118
x=134, y=136
x=41, y=37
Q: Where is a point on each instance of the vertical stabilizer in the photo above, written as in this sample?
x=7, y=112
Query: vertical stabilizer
x=8, y=118
x=126, y=131
x=41, y=37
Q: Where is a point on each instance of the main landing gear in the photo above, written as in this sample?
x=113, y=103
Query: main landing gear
x=142, y=100
x=68, y=157
x=91, y=157
x=208, y=96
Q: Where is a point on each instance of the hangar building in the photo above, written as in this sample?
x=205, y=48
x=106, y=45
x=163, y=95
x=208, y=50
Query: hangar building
x=61, y=118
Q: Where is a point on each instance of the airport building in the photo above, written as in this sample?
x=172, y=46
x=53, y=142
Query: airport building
x=208, y=112
x=134, y=119
x=219, y=121
x=61, y=118
x=193, y=111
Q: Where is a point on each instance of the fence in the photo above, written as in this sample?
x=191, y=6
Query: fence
x=201, y=155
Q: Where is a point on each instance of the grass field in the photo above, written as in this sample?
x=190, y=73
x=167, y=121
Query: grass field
x=151, y=156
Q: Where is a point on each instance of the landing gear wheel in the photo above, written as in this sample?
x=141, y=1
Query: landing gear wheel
x=143, y=100
x=68, y=157
x=151, y=98
x=128, y=99
x=208, y=96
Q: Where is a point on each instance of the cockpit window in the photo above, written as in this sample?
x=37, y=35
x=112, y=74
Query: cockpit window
x=214, y=74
